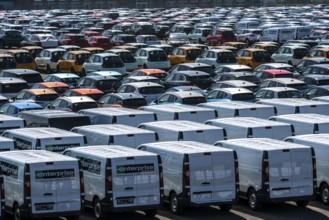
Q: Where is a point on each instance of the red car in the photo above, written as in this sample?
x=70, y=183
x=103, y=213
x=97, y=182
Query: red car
x=100, y=41
x=73, y=39
x=221, y=36
x=274, y=73
x=89, y=34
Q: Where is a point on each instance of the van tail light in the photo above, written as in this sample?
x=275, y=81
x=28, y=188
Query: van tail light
x=114, y=120
x=176, y=116
x=186, y=172
x=180, y=136
x=250, y=134
x=2, y=194
x=108, y=178
x=82, y=185
x=292, y=130
x=266, y=171
x=314, y=168
x=316, y=129
x=224, y=134
x=297, y=110
x=161, y=177
x=275, y=111
x=27, y=185
x=236, y=167
x=236, y=113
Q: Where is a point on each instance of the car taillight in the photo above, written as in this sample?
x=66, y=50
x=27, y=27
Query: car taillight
x=266, y=171
x=82, y=186
x=27, y=185
x=292, y=130
x=236, y=167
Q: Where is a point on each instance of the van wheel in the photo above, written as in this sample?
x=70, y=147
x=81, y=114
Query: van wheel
x=150, y=213
x=253, y=201
x=302, y=203
x=98, y=210
x=324, y=192
x=17, y=213
x=225, y=208
x=174, y=206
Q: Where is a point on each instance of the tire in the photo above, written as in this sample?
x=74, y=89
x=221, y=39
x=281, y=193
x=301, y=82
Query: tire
x=58, y=70
x=145, y=66
x=302, y=203
x=174, y=206
x=17, y=213
x=48, y=70
x=73, y=217
x=151, y=212
x=72, y=70
x=225, y=208
x=98, y=210
x=253, y=201
x=324, y=193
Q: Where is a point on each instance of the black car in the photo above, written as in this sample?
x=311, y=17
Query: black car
x=315, y=80
x=106, y=84
x=310, y=61
x=316, y=91
x=193, y=66
x=200, y=79
x=121, y=39
x=140, y=28
x=317, y=69
x=10, y=38
x=247, y=76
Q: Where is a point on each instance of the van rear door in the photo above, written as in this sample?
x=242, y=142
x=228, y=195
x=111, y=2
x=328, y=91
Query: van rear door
x=204, y=136
x=302, y=172
x=280, y=173
x=276, y=132
x=197, y=116
x=134, y=120
x=55, y=187
x=133, y=140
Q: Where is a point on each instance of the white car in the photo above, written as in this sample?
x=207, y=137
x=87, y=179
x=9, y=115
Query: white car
x=199, y=35
x=47, y=59
x=290, y=54
x=217, y=57
x=104, y=62
x=127, y=57
x=152, y=58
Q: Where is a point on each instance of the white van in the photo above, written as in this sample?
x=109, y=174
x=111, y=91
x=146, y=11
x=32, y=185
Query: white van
x=250, y=127
x=181, y=112
x=112, y=115
x=116, y=134
x=7, y=144
x=295, y=105
x=50, y=139
x=278, y=34
x=240, y=109
x=185, y=131
x=274, y=171
x=247, y=24
x=118, y=178
x=305, y=123
x=300, y=32
x=10, y=122
x=197, y=174
x=320, y=144
x=41, y=184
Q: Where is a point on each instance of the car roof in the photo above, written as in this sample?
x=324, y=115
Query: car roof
x=52, y=84
x=234, y=90
x=279, y=89
x=21, y=105
x=107, y=54
x=193, y=73
x=142, y=77
x=65, y=75
x=77, y=99
x=286, y=80
x=238, y=83
x=276, y=71
x=21, y=71
x=79, y=52
x=143, y=84
x=40, y=91
x=85, y=91
x=237, y=74
x=151, y=71
x=127, y=95
x=236, y=66
x=55, y=49
x=317, y=76
x=100, y=77
x=277, y=65
x=192, y=65
x=5, y=80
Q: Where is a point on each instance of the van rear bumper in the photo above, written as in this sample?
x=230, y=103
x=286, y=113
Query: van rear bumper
x=266, y=198
x=184, y=201
x=109, y=208
x=27, y=213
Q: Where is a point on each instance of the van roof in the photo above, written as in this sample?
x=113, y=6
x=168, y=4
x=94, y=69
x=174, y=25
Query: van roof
x=111, y=151
x=174, y=108
x=34, y=156
x=43, y=132
x=234, y=105
x=115, y=111
x=9, y=80
x=311, y=118
x=185, y=147
x=262, y=144
x=313, y=138
x=293, y=102
x=250, y=122
x=112, y=129
x=4, y=117
x=21, y=71
x=180, y=125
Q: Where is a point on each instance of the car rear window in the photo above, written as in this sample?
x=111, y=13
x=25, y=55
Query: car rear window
x=81, y=58
x=249, y=78
x=194, y=100
x=112, y=62
x=152, y=90
x=228, y=34
x=323, y=82
x=226, y=57
x=70, y=80
x=261, y=56
x=129, y=39
x=7, y=63
x=95, y=97
x=134, y=102
x=60, y=90
x=289, y=94
x=127, y=57
x=46, y=97
x=299, y=86
x=243, y=96
x=31, y=78
x=13, y=88
x=288, y=75
x=193, y=54
x=202, y=77
x=108, y=84
x=300, y=53
x=83, y=105
x=23, y=58
x=205, y=69
x=157, y=55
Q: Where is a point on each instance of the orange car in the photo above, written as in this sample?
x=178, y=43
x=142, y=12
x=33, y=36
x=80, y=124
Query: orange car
x=93, y=50
x=319, y=53
x=237, y=45
x=72, y=61
x=253, y=57
x=95, y=94
x=59, y=87
x=23, y=58
x=158, y=73
x=184, y=55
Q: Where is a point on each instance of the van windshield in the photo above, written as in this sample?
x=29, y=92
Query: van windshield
x=13, y=88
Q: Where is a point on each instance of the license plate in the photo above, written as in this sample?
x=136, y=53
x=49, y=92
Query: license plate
x=125, y=201
x=44, y=207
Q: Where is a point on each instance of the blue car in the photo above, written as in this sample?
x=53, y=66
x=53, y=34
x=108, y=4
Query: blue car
x=69, y=78
x=14, y=108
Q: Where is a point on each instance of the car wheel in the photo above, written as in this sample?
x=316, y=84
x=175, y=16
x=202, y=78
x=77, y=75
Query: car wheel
x=302, y=203
x=225, y=208
x=208, y=42
x=150, y=213
x=324, y=192
x=17, y=213
x=58, y=70
x=48, y=70
x=174, y=206
x=253, y=201
x=98, y=210
x=144, y=66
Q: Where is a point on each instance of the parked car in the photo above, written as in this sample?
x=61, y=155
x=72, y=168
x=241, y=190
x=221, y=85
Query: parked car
x=73, y=39
x=23, y=58
x=14, y=108
x=121, y=39
x=124, y=100
x=217, y=57
x=220, y=36
x=47, y=59
x=315, y=80
x=305, y=62
x=268, y=74
x=68, y=78
x=278, y=66
x=283, y=82
x=106, y=84
x=148, y=39
x=230, y=94
x=184, y=55
x=127, y=58
x=180, y=98
x=42, y=40
x=29, y=76
x=152, y=58
x=158, y=73
x=199, y=35
x=278, y=93
x=316, y=69
x=316, y=91
x=10, y=38
x=100, y=41
x=289, y=54
x=72, y=62
x=95, y=94
x=73, y=103
x=253, y=57
x=247, y=76
x=178, y=39
x=7, y=62
x=40, y=96
x=58, y=87
x=270, y=48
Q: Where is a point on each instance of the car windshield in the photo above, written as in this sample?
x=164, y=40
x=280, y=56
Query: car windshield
x=152, y=90
x=13, y=88
x=243, y=96
x=194, y=100
x=23, y=58
x=288, y=75
x=289, y=94
x=83, y=105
